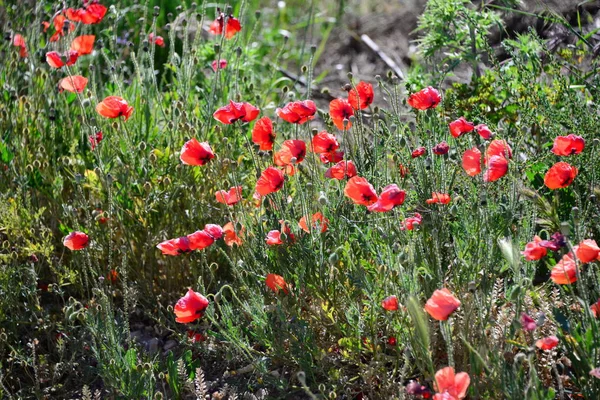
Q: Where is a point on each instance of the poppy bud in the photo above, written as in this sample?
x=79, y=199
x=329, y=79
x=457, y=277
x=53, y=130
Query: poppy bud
x=472, y=286
x=238, y=51
x=428, y=163
x=152, y=157
x=228, y=10
x=257, y=14
x=37, y=164
x=322, y=199
x=575, y=212
x=402, y=257
x=304, y=69
x=325, y=90
x=592, y=198
x=333, y=258
x=147, y=186
x=565, y=228
x=350, y=75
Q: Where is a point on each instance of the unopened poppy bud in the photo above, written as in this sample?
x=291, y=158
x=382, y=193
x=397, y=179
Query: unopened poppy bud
x=314, y=131
x=257, y=14
x=378, y=78
x=575, y=212
x=347, y=87
x=161, y=376
x=541, y=319
x=596, y=141
x=285, y=89
x=428, y=163
x=238, y=51
x=565, y=228
x=325, y=90
x=350, y=75
x=147, y=186
x=592, y=198
x=453, y=210
x=333, y=258
x=37, y=164
x=304, y=69
x=352, y=119
x=156, y=11
x=402, y=142
x=167, y=181
x=228, y=10
x=152, y=157
x=322, y=199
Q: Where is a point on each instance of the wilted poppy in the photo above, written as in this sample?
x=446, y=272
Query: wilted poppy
x=587, y=251
x=362, y=96
x=95, y=140
x=318, y=223
x=547, y=343
x=76, y=241
x=233, y=112
x=114, y=107
x=340, y=110
x=332, y=157
x=262, y=133
x=91, y=14
x=175, y=247
x=568, y=145
x=73, y=84
x=565, y=271
x=232, y=26
x=270, y=181
x=55, y=60
x=533, y=250
x=230, y=236
x=560, y=175
x=556, y=242
x=439, y=198
x=498, y=148
x=390, y=197
x=360, y=191
x=190, y=307
x=276, y=283
x=324, y=142
x=221, y=64
x=230, y=198
x=341, y=170
x=157, y=40
x=390, y=303
x=527, y=323
x=418, y=152
x=410, y=222
x=471, y=161
x=196, y=153
x=297, y=112
x=441, y=304
x=441, y=148
x=424, y=99
x=292, y=152
x=83, y=44
x=451, y=386
x=19, y=41
x=497, y=167
x=483, y=131
x=460, y=127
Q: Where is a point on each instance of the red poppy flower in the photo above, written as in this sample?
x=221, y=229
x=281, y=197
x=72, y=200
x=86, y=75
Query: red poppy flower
x=341, y=170
x=319, y=222
x=222, y=64
x=275, y=237
x=230, y=198
x=403, y=170
x=560, y=175
x=340, y=110
x=230, y=236
x=233, y=112
x=460, y=127
x=334, y=156
x=498, y=148
x=451, y=386
x=534, y=251
x=418, y=152
x=83, y=44
x=276, y=283
x=232, y=26
x=114, y=107
x=92, y=14
x=288, y=168
x=195, y=337
x=595, y=308
x=441, y=148
x=471, y=161
x=55, y=60
x=73, y=84
x=190, y=307
x=497, y=167
x=158, y=40
x=390, y=197
x=95, y=140
x=438, y=198
x=565, y=271
x=360, y=191
x=587, y=251
x=175, y=247
x=425, y=99
x=59, y=24
x=392, y=341
x=196, y=153
x=390, y=303
x=112, y=276
x=324, y=142
x=568, y=145
x=441, y=304
x=410, y=222
x=76, y=241
x=202, y=239
x=292, y=152
x=547, y=343
x=527, y=323
x=262, y=133
x=297, y=112
x=19, y=41
x=362, y=96
x=484, y=131
x=270, y=181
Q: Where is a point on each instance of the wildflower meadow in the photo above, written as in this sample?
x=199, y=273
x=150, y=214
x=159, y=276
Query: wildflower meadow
x=217, y=201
